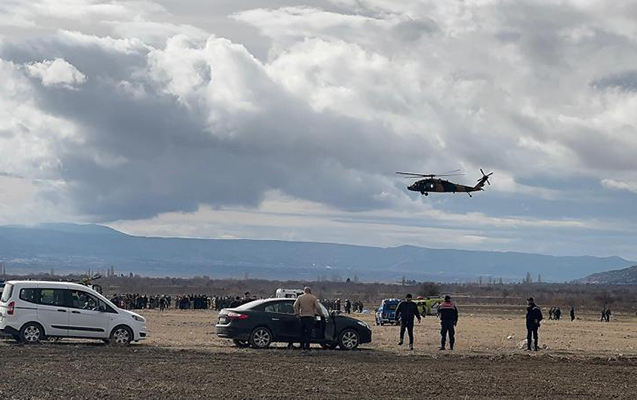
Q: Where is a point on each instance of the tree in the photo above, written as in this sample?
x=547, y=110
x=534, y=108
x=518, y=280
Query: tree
x=429, y=289
x=528, y=280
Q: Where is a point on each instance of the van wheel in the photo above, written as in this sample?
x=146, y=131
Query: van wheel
x=31, y=333
x=348, y=339
x=121, y=336
x=260, y=338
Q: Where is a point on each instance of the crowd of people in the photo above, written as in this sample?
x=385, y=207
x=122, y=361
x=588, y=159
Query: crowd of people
x=136, y=301
x=347, y=306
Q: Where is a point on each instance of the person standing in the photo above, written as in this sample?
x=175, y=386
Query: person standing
x=406, y=311
x=557, y=313
x=608, y=314
x=572, y=313
x=603, y=314
x=306, y=307
x=448, y=320
x=533, y=318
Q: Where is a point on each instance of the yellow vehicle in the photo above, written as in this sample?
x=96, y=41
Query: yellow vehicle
x=428, y=306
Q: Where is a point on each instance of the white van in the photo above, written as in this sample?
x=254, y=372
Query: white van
x=33, y=310
x=288, y=293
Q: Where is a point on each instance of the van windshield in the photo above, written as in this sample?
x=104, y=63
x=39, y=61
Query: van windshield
x=7, y=292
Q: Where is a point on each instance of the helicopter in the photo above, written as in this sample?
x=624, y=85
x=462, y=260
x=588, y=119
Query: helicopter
x=433, y=183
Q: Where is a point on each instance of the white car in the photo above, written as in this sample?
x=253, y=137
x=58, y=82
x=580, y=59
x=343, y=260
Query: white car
x=32, y=310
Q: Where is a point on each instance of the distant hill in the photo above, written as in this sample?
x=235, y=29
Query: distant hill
x=73, y=248
x=626, y=276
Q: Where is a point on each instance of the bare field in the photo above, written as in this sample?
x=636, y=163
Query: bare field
x=183, y=359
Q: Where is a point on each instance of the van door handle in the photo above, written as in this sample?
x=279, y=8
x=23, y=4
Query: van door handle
x=75, y=312
x=275, y=319
x=61, y=310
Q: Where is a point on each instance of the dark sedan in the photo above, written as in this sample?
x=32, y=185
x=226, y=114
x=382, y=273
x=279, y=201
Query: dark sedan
x=262, y=322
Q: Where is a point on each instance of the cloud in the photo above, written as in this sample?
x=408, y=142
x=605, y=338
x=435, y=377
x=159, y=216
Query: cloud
x=56, y=73
x=172, y=114
x=619, y=185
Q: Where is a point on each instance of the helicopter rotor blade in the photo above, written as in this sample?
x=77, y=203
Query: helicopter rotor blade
x=414, y=175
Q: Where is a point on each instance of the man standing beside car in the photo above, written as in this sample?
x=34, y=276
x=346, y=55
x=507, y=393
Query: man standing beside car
x=448, y=320
x=306, y=307
x=406, y=311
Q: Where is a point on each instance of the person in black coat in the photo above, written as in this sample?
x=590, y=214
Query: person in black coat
x=406, y=311
x=533, y=318
x=448, y=320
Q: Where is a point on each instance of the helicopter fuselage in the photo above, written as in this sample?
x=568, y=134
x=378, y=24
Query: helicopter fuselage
x=424, y=186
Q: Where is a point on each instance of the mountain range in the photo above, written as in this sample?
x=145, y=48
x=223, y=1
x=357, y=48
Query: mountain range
x=70, y=248
x=624, y=276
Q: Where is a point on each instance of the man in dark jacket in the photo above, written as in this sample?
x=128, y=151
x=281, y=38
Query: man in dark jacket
x=406, y=311
x=533, y=318
x=448, y=320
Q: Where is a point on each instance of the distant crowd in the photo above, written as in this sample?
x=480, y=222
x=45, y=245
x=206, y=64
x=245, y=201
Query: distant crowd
x=136, y=301
x=348, y=306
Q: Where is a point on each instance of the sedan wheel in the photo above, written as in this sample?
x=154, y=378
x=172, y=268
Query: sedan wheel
x=261, y=338
x=348, y=340
x=121, y=336
x=31, y=333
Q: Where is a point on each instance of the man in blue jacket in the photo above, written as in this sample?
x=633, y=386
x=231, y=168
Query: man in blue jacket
x=448, y=320
x=406, y=311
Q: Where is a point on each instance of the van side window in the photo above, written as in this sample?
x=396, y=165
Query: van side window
x=86, y=301
x=28, y=295
x=51, y=297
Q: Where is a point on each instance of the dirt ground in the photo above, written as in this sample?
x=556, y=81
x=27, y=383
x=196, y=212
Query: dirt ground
x=183, y=359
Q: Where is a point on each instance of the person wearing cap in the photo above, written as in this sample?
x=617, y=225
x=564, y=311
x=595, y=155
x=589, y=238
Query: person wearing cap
x=306, y=307
x=448, y=320
x=533, y=318
x=406, y=311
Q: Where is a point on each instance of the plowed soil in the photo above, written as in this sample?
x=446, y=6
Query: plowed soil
x=183, y=359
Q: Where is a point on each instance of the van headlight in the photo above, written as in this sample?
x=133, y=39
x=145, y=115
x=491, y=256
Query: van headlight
x=138, y=318
x=364, y=324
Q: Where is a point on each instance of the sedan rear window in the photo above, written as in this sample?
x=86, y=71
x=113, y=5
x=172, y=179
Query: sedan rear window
x=7, y=292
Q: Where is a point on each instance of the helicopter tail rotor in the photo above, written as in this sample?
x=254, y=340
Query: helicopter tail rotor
x=485, y=178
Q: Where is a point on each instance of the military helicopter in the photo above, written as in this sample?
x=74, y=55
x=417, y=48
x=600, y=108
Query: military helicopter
x=433, y=183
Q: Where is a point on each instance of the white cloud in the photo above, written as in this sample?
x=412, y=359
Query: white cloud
x=173, y=118
x=56, y=73
x=619, y=185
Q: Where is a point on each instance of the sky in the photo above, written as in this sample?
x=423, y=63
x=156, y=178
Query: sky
x=287, y=120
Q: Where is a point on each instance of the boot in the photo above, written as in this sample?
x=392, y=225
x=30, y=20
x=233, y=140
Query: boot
x=536, y=346
x=450, y=346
